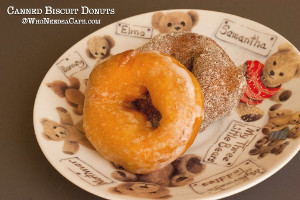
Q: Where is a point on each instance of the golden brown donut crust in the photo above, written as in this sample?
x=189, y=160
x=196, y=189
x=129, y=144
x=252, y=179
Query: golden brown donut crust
x=122, y=134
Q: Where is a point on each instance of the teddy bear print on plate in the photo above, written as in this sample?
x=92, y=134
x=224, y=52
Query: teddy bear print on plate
x=234, y=153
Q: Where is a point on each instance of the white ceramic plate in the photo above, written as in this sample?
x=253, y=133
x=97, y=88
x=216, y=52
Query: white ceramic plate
x=223, y=148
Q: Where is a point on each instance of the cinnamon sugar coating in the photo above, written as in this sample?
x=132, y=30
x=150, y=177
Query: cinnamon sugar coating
x=222, y=82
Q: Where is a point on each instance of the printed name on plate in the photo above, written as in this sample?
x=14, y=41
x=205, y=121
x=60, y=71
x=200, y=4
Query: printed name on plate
x=85, y=171
x=246, y=37
x=227, y=179
x=72, y=64
x=134, y=30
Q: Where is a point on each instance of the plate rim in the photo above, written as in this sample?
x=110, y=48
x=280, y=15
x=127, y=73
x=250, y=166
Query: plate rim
x=227, y=193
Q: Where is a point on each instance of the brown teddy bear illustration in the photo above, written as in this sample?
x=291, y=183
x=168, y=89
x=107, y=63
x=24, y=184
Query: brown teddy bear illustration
x=264, y=81
x=71, y=93
x=181, y=172
x=295, y=132
x=99, y=47
x=279, y=121
x=142, y=190
x=66, y=131
x=265, y=146
x=277, y=130
x=174, y=21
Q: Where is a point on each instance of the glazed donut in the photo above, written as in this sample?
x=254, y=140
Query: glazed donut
x=222, y=83
x=122, y=134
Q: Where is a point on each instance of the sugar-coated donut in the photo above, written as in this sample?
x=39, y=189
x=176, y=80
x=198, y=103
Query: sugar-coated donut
x=121, y=133
x=222, y=83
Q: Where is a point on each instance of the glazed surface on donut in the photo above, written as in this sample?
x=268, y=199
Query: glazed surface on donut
x=121, y=133
x=222, y=83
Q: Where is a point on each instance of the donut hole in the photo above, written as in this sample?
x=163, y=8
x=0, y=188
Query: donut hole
x=145, y=106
